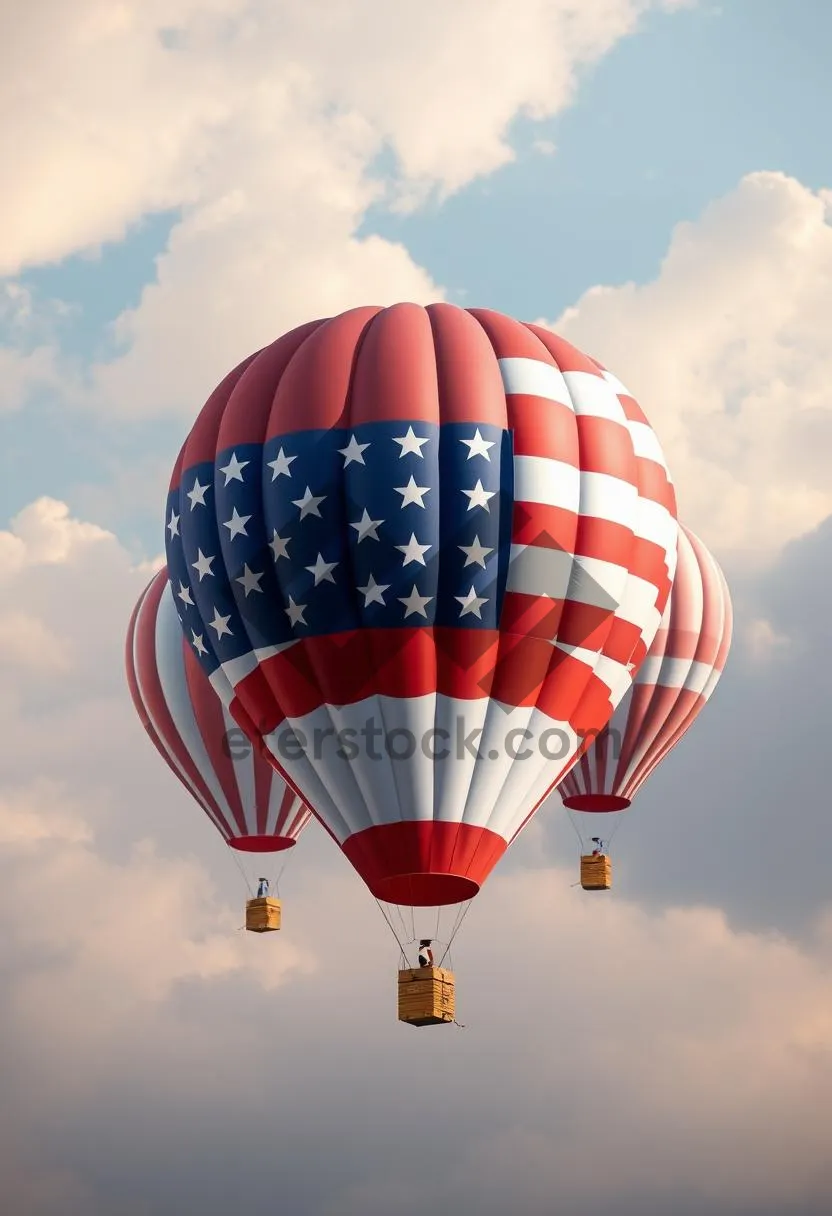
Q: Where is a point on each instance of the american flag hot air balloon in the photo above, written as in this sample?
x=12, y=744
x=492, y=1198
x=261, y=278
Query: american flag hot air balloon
x=672, y=687
x=242, y=794
x=423, y=549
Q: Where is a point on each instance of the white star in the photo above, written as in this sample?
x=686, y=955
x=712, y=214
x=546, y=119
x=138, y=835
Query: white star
x=478, y=446
x=295, y=612
x=184, y=594
x=410, y=444
x=278, y=545
x=237, y=524
x=471, y=603
x=413, y=551
x=415, y=602
x=374, y=592
x=478, y=497
x=322, y=570
x=280, y=465
x=234, y=469
x=173, y=524
x=202, y=565
x=199, y=645
x=197, y=494
x=308, y=504
x=220, y=624
x=249, y=581
x=352, y=452
x=411, y=493
x=475, y=554
x=367, y=527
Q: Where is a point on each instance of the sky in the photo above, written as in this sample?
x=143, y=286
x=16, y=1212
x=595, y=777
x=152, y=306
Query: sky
x=184, y=182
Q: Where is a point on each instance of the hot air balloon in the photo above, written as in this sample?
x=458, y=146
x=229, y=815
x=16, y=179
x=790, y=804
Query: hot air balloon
x=425, y=549
x=243, y=795
x=672, y=686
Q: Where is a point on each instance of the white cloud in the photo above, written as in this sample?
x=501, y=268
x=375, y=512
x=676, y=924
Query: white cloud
x=727, y=350
x=261, y=125
x=670, y=1038
x=763, y=640
x=143, y=102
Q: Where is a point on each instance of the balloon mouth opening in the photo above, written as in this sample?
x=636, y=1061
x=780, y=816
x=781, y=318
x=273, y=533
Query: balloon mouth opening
x=425, y=890
x=261, y=844
x=596, y=803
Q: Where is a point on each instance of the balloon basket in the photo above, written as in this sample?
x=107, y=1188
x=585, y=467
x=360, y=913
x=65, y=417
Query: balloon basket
x=263, y=915
x=426, y=996
x=596, y=872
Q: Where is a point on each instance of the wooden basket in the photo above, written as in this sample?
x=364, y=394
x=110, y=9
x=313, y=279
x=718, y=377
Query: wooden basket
x=596, y=872
x=426, y=996
x=263, y=915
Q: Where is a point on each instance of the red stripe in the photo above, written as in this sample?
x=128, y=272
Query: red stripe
x=314, y=390
x=470, y=384
x=245, y=418
x=685, y=712
x=548, y=527
x=201, y=444
x=176, y=475
x=466, y=665
x=210, y=723
x=395, y=369
x=607, y=447
x=543, y=428
x=149, y=681
x=421, y=863
x=654, y=484
x=133, y=685
x=265, y=777
x=567, y=357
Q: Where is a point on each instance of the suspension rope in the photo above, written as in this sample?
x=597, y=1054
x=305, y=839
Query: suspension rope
x=389, y=924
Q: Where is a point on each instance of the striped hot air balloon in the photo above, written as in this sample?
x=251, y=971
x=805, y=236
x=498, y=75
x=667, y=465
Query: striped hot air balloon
x=240, y=791
x=423, y=547
x=680, y=673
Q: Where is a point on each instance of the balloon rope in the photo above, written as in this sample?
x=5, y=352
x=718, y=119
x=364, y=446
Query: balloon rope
x=456, y=930
x=242, y=871
x=393, y=931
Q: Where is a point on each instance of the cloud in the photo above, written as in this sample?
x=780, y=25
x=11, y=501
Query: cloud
x=160, y=1058
x=263, y=128
x=727, y=350
x=154, y=96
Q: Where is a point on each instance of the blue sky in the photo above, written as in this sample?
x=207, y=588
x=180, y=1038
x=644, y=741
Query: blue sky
x=669, y=120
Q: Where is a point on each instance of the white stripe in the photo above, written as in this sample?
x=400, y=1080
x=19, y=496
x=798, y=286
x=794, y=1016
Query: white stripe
x=646, y=442
x=638, y=607
x=552, y=482
x=592, y=397
x=616, y=385
x=146, y=703
x=237, y=669
x=351, y=795
x=154, y=723
x=534, y=378
x=243, y=775
x=556, y=574
x=555, y=483
x=277, y=788
x=170, y=661
x=666, y=672
x=652, y=521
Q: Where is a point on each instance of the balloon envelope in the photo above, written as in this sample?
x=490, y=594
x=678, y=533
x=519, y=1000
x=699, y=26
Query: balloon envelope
x=425, y=548
x=245, y=798
x=671, y=688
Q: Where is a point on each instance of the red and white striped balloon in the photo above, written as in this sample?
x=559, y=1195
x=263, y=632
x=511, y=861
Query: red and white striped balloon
x=246, y=799
x=673, y=684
